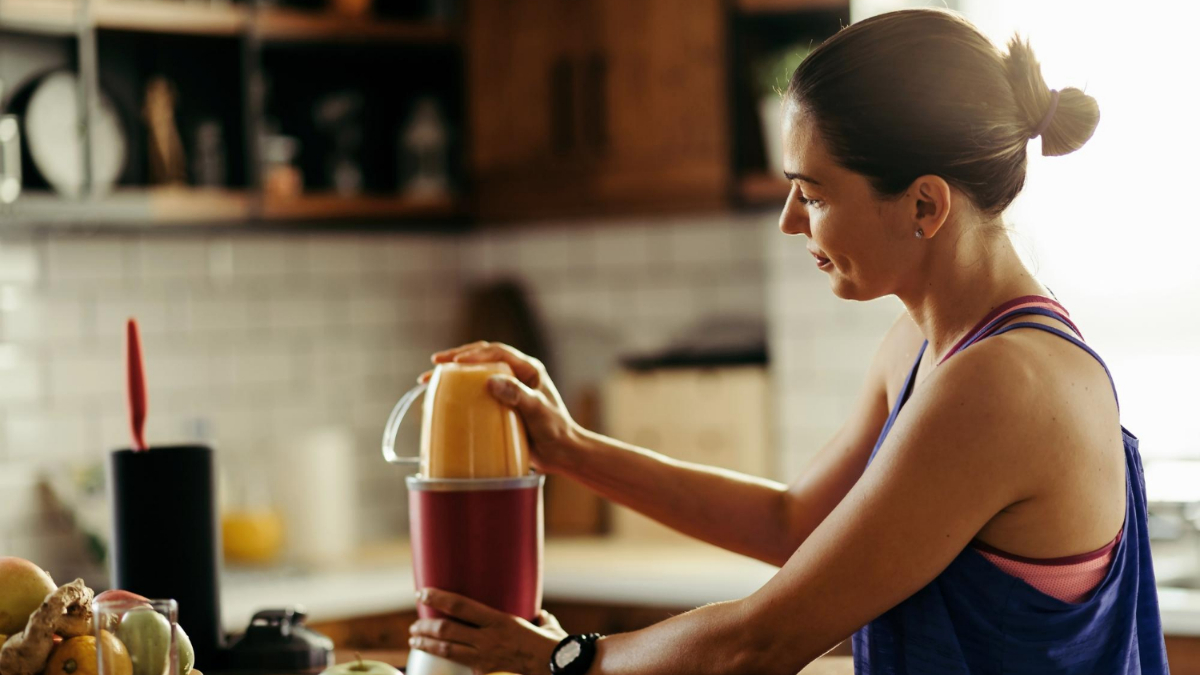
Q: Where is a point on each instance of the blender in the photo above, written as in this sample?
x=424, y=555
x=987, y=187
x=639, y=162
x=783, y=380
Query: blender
x=475, y=509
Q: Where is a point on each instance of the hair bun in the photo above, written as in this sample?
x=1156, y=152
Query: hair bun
x=1074, y=119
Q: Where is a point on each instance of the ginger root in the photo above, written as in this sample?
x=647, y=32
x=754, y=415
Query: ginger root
x=77, y=611
x=67, y=609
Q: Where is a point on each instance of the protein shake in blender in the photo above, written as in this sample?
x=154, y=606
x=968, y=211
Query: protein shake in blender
x=475, y=510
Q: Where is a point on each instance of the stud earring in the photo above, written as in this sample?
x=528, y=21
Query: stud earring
x=920, y=233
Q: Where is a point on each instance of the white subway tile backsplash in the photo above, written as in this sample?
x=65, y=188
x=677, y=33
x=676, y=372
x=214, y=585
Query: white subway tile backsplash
x=76, y=260
x=700, y=241
x=338, y=254
x=375, y=309
x=664, y=302
x=114, y=431
x=21, y=382
x=42, y=318
x=38, y=435
x=549, y=251
x=225, y=313
x=844, y=353
x=78, y=376
x=291, y=312
x=622, y=247
x=172, y=258
x=112, y=314
x=441, y=305
x=174, y=369
x=261, y=364
x=20, y=261
x=419, y=257
x=220, y=262
x=742, y=297
x=255, y=256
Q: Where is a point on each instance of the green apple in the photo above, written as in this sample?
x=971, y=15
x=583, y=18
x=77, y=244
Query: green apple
x=183, y=646
x=361, y=667
x=147, y=636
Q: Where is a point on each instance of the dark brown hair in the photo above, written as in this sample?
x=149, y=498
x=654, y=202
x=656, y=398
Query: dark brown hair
x=922, y=91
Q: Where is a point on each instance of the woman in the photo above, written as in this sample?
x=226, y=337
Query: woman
x=982, y=511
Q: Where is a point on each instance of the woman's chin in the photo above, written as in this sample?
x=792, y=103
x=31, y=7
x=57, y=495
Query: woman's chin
x=846, y=289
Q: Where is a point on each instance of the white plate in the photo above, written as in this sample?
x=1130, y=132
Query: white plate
x=51, y=127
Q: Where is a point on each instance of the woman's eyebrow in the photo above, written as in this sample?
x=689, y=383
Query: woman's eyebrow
x=799, y=176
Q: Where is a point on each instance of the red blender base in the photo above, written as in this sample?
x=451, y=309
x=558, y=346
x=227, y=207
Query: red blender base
x=481, y=538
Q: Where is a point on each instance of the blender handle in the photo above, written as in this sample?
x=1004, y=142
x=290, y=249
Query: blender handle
x=393, y=425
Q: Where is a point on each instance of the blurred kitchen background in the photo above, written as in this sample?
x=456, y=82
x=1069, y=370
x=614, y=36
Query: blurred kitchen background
x=300, y=200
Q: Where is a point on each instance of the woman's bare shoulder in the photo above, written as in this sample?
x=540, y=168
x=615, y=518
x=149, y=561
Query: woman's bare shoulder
x=898, y=351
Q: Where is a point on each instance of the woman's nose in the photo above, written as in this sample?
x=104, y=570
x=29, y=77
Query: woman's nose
x=794, y=218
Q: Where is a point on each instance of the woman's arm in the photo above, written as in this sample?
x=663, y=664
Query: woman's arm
x=753, y=516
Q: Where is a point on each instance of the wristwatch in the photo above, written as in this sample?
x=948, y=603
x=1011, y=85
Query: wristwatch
x=574, y=654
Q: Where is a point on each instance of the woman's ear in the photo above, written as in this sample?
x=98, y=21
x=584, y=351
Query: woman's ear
x=930, y=203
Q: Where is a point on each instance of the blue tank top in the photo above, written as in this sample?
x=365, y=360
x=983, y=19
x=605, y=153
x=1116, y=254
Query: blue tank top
x=975, y=619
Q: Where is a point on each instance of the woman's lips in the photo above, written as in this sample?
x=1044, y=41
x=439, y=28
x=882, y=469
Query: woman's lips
x=822, y=261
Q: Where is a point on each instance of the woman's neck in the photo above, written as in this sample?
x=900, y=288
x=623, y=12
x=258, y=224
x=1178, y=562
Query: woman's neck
x=963, y=276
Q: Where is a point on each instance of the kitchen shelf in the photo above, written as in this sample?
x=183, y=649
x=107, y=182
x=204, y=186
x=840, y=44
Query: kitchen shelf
x=185, y=17
x=155, y=206
x=760, y=189
x=786, y=6
x=48, y=17
x=276, y=24
x=320, y=206
x=172, y=16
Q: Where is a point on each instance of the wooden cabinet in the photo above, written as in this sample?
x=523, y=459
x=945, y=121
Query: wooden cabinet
x=1183, y=655
x=666, y=135
x=585, y=105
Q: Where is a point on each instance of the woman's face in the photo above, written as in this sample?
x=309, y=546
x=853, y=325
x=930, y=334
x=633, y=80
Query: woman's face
x=863, y=242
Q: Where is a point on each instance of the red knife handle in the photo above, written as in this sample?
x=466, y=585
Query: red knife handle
x=137, y=386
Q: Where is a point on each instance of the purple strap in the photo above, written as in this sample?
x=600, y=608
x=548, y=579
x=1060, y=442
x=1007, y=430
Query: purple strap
x=1067, y=336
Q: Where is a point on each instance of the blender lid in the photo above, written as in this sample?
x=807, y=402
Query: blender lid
x=452, y=484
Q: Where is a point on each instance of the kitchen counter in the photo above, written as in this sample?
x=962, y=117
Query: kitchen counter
x=826, y=665
x=586, y=570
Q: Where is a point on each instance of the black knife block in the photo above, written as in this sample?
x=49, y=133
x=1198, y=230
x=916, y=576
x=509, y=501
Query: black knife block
x=165, y=540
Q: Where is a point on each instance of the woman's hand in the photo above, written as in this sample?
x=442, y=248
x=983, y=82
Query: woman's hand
x=552, y=432
x=483, y=638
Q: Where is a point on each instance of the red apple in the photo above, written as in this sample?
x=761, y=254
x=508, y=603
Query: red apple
x=117, y=595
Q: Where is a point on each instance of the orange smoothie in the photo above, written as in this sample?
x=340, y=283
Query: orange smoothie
x=467, y=433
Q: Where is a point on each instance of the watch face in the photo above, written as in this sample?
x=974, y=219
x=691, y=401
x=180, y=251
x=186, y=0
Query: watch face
x=567, y=654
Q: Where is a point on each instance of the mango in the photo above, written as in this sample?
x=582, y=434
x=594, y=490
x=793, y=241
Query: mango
x=23, y=588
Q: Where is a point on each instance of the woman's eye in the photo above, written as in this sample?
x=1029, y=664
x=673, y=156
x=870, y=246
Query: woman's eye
x=809, y=202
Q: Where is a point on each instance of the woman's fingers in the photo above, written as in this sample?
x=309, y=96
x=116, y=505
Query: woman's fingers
x=446, y=630
x=459, y=607
x=447, y=355
x=512, y=393
x=547, y=620
x=526, y=369
x=424, y=377
x=464, y=654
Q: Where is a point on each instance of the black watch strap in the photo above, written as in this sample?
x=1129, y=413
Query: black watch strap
x=582, y=661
